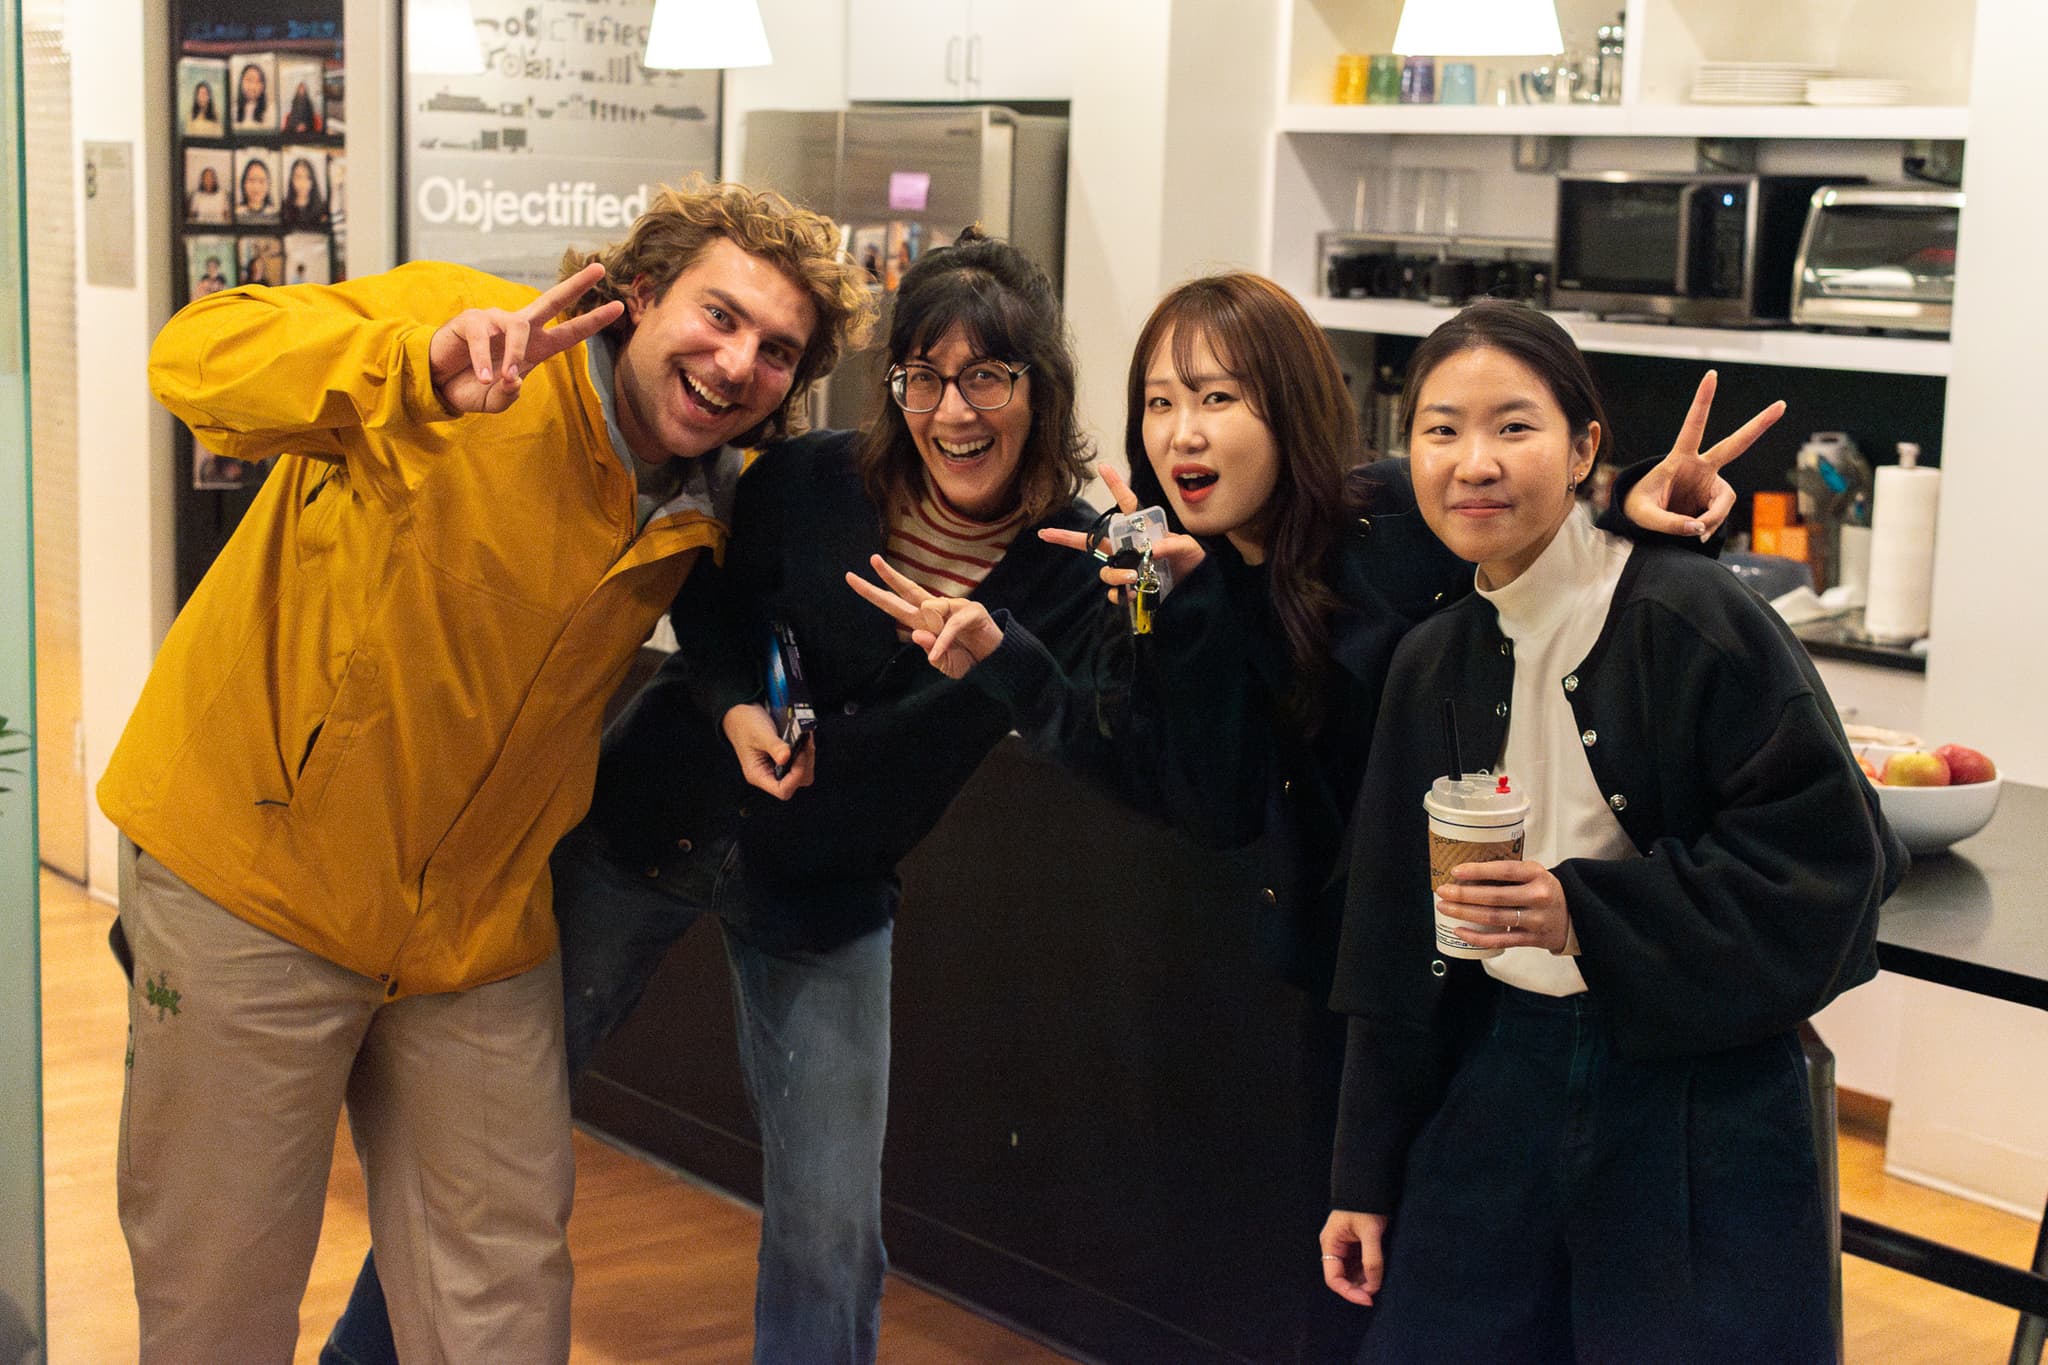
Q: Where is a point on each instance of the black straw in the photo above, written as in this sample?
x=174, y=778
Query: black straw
x=1451, y=739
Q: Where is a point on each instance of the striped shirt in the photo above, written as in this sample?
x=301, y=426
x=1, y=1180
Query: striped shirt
x=944, y=552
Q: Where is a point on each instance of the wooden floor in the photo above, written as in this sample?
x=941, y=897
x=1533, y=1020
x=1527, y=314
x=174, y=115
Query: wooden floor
x=665, y=1268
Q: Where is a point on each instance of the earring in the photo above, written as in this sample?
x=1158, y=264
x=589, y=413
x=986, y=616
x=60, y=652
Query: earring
x=1571, y=483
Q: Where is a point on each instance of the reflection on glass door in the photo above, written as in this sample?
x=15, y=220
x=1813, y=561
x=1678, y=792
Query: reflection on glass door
x=21, y=1117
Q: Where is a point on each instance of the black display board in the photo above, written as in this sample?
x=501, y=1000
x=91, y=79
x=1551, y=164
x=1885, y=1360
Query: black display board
x=259, y=155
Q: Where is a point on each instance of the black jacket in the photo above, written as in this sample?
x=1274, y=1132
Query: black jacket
x=1765, y=856
x=1190, y=722
x=896, y=739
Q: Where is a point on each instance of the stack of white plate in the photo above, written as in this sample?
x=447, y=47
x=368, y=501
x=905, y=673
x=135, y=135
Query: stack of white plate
x=1753, y=82
x=1842, y=91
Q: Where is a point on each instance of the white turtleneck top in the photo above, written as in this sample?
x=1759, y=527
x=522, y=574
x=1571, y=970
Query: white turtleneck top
x=1554, y=613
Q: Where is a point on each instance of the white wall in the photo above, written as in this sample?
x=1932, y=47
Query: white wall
x=808, y=40
x=1967, y=1111
x=124, y=439
x=1168, y=161
x=1990, y=648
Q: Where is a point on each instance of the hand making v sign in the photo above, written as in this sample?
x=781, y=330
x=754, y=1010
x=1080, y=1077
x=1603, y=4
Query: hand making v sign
x=1685, y=494
x=479, y=356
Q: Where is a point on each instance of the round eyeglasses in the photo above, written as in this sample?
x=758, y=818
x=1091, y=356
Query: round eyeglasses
x=986, y=385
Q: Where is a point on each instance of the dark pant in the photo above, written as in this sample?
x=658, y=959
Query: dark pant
x=1566, y=1203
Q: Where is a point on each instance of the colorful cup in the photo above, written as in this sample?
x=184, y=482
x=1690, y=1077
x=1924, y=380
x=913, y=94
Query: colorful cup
x=1418, y=80
x=1383, y=79
x=1351, y=79
x=1460, y=84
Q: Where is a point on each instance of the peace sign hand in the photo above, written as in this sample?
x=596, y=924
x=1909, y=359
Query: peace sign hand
x=479, y=356
x=1181, y=553
x=1685, y=494
x=955, y=633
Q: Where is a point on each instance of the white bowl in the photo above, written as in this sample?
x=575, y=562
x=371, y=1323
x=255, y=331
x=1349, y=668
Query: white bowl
x=1929, y=819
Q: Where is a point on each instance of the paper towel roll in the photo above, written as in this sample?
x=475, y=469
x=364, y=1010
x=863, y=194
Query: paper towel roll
x=1901, y=553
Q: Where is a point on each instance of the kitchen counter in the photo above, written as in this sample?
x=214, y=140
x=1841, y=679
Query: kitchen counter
x=1836, y=638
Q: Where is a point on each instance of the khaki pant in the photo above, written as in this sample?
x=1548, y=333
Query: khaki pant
x=242, y=1050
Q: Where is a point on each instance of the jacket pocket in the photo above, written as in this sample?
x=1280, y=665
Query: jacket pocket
x=328, y=743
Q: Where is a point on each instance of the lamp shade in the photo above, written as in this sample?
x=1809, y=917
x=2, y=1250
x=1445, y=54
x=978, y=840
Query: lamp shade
x=699, y=35
x=440, y=39
x=1478, y=28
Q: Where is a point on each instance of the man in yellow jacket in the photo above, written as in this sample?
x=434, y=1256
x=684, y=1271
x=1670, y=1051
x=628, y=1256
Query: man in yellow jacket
x=373, y=720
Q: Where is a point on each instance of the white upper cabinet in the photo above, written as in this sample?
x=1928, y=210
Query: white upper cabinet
x=958, y=50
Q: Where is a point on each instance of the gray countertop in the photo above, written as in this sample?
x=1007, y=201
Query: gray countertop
x=1976, y=917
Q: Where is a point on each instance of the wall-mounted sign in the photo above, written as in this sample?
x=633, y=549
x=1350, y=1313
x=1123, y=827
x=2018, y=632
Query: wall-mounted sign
x=109, y=182
x=560, y=142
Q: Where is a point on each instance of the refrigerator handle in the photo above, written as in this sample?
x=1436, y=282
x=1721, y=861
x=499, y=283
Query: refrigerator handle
x=953, y=60
x=974, y=64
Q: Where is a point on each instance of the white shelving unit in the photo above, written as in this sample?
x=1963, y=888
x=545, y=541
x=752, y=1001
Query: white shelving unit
x=1330, y=160
x=1899, y=122
x=1710, y=345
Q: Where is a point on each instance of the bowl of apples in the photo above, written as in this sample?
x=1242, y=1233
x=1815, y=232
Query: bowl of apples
x=1932, y=797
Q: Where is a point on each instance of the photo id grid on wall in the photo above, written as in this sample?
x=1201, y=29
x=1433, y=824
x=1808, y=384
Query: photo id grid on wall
x=559, y=143
x=261, y=155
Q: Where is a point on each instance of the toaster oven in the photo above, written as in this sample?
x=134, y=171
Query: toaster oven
x=1878, y=256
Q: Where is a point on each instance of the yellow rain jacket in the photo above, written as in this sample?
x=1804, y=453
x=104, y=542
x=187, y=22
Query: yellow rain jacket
x=381, y=708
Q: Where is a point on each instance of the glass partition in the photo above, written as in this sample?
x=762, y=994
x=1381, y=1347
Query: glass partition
x=21, y=1115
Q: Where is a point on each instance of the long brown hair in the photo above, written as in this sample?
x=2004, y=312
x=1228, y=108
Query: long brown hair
x=1009, y=310
x=1294, y=385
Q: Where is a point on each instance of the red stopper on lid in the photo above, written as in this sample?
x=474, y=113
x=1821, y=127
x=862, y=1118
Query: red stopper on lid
x=1500, y=788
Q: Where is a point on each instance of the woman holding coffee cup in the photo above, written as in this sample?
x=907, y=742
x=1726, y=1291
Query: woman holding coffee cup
x=1247, y=713
x=1597, y=1143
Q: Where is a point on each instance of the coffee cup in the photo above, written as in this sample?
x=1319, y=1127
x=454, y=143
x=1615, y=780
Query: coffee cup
x=1476, y=818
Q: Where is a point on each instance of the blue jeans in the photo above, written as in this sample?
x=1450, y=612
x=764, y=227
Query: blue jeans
x=814, y=1050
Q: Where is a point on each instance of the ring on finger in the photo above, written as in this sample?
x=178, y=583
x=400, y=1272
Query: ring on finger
x=1518, y=917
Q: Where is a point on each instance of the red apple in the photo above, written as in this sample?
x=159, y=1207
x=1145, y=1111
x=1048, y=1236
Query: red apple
x=1916, y=768
x=1965, y=764
x=1868, y=771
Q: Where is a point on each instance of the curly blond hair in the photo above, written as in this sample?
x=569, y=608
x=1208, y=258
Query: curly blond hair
x=680, y=226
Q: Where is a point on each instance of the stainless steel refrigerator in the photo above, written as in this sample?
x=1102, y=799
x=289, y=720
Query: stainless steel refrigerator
x=897, y=179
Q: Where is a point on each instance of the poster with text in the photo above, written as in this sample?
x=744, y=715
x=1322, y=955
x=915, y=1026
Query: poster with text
x=563, y=140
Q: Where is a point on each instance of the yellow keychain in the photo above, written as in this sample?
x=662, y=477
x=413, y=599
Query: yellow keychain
x=1145, y=594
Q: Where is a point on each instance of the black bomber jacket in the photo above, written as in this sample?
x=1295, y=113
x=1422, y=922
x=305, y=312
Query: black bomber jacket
x=1765, y=855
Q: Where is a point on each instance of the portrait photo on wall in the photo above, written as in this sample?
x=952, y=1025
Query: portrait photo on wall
x=337, y=189
x=209, y=264
x=202, y=97
x=302, y=94
x=262, y=260
x=333, y=111
x=208, y=173
x=305, y=258
x=211, y=470
x=303, y=200
x=256, y=185
x=255, y=91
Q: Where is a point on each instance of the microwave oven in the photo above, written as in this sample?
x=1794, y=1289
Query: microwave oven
x=1880, y=256
x=1711, y=249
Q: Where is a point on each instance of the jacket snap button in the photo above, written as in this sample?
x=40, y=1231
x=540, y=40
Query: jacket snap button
x=1436, y=967
x=1588, y=737
x=1506, y=647
x=1571, y=682
x=851, y=708
x=1288, y=785
x=653, y=872
x=1436, y=597
x=1500, y=709
x=1365, y=523
x=684, y=846
x=1618, y=801
x=1268, y=896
